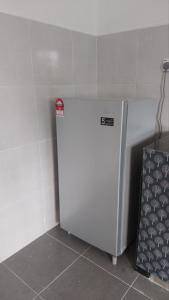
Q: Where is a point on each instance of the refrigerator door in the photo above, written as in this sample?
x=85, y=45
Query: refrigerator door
x=91, y=140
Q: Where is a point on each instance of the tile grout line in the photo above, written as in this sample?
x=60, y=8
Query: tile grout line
x=14, y=148
x=73, y=67
x=103, y=269
x=142, y=293
x=137, y=290
x=67, y=268
x=129, y=287
x=57, y=277
x=62, y=243
x=20, y=279
x=38, y=296
x=26, y=284
x=157, y=284
x=82, y=255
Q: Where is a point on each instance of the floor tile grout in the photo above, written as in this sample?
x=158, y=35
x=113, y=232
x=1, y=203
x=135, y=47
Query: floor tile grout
x=20, y=279
x=62, y=243
x=39, y=293
x=67, y=268
x=142, y=293
x=103, y=269
x=82, y=255
x=38, y=296
x=157, y=284
x=126, y=292
x=129, y=287
x=50, y=283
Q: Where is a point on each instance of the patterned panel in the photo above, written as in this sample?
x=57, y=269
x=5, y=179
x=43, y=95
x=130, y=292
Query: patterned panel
x=153, y=240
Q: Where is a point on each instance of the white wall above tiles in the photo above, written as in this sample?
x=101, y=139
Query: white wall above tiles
x=123, y=15
x=77, y=15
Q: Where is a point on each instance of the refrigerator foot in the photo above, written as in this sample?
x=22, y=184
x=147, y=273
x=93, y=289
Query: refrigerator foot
x=114, y=260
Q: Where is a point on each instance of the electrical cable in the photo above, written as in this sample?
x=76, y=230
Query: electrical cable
x=161, y=104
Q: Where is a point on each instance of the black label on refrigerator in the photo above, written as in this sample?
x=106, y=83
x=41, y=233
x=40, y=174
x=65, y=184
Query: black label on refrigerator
x=107, y=121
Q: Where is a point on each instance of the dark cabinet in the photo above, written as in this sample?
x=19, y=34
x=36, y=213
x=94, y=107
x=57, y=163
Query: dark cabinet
x=153, y=232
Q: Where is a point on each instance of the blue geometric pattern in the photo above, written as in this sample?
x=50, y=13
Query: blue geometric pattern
x=153, y=239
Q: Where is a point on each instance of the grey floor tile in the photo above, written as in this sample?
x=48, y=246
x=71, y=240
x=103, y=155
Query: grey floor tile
x=150, y=289
x=85, y=281
x=125, y=265
x=134, y=295
x=41, y=261
x=11, y=288
x=69, y=239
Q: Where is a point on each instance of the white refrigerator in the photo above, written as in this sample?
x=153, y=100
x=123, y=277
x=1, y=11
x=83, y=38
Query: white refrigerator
x=99, y=148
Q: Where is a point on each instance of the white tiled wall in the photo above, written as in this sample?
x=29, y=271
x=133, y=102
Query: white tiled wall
x=38, y=63
x=129, y=65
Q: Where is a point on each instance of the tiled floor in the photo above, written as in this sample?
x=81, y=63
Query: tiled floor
x=58, y=266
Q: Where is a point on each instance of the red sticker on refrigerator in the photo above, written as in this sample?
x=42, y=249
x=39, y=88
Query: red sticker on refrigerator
x=59, y=107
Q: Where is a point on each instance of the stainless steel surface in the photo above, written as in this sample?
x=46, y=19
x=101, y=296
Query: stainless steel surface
x=140, y=132
x=94, y=169
x=89, y=170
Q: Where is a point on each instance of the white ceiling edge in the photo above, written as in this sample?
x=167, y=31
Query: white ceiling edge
x=76, y=15
x=94, y=17
x=125, y=15
x=132, y=28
